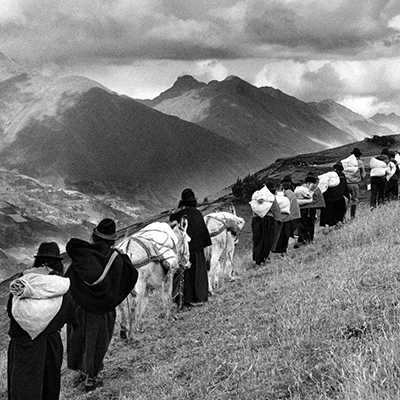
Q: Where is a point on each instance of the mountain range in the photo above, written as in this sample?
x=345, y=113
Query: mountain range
x=73, y=151
x=74, y=133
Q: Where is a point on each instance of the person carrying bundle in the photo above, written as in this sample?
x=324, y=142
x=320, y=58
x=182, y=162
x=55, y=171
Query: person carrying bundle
x=354, y=172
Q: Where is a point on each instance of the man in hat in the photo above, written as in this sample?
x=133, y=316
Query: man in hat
x=101, y=278
x=195, y=278
x=354, y=179
x=35, y=351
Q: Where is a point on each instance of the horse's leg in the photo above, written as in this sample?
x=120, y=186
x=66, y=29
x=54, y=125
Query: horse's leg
x=123, y=330
x=166, y=293
x=140, y=303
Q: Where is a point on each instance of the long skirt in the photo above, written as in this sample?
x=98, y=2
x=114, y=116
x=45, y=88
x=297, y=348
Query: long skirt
x=263, y=230
x=87, y=345
x=333, y=212
x=284, y=232
x=34, y=367
x=194, y=281
x=306, y=227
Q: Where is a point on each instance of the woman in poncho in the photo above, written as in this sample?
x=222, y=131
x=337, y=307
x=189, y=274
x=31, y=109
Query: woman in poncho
x=290, y=219
x=336, y=199
x=195, y=278
x=310, y=199
x=38, y=307
x=266, y=216
x=101, y=278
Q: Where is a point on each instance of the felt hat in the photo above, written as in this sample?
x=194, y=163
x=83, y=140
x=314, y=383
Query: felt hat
x=391, y=153
x=49, y=250
x=385, y=151
x=357, y=152
x=287, y=178
x=338, y=165
x=310, y=177
x=106, y=229
x=188, y=195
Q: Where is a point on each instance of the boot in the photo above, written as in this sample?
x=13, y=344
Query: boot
x=353, y=208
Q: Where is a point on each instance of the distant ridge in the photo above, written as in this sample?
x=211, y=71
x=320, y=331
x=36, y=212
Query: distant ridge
x=267, y=122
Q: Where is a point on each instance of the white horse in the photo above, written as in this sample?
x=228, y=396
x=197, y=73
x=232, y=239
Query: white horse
x=157, y=251
x=224, y=228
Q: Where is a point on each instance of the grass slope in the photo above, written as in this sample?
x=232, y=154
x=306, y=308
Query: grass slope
x=323, y=323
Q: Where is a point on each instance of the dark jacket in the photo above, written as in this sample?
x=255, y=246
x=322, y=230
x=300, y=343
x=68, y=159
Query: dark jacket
x=337, y=192
x=88, y=263
x=197, y=228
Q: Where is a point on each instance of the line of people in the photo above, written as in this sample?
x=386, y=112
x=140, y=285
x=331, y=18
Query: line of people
x=45, y=297
x=275, y=221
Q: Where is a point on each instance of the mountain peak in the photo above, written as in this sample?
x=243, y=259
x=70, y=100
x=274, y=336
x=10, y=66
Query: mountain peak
x=187, y=82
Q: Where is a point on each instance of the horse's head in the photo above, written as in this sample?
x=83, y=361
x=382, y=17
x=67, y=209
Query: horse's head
x=183, y=242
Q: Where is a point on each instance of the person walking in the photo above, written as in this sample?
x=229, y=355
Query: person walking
x=190, y=287
x=266, y=216
x=392, y=178
x=310, y=199
x=287, y=229
x=39, y=306
x=378, y=171
x=336, y=199
x=354, y=177
x=101, y=278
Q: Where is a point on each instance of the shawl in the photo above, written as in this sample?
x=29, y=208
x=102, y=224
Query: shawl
x=88, y=263
x=37, y=298
x=197, y=228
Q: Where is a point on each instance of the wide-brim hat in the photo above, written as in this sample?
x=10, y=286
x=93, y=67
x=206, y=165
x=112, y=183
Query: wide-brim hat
x=188, y=195
x=49, y=250
x=356, y=151
x=106, y=229
x=310, y=177
x=338, y=165
x=287, y=178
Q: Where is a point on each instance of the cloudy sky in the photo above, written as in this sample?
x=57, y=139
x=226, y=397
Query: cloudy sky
x=345, y=50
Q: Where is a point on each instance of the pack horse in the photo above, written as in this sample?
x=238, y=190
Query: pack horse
x=157, y=251
x=224, y=228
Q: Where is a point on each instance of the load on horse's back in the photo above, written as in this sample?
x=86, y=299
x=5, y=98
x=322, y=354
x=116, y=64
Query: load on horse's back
x=157, y=251
x=224, y=228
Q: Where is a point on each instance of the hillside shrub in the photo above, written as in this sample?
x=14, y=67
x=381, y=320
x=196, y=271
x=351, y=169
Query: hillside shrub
x=384, y=141
x=243, y=189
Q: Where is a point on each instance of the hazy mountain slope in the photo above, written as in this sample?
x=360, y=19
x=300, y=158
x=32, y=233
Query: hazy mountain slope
x=391, y=121
x=349, y=121
x=270, y=126
x=91, y=136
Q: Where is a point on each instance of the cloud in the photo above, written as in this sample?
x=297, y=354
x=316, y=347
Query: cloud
x=122, y=31
x=311, y=49
x=372, y=85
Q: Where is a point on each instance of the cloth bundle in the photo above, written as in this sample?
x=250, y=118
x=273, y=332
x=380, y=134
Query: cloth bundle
x=378, y=167
x=350, y=165
x=36, y=300
x=283, y=202
x=303, y=193
x=328, y=180
x=261, y=201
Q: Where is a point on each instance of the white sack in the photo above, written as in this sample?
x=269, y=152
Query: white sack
x=261, y=201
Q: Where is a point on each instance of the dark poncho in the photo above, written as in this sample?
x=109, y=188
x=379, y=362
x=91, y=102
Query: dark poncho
x=88, y=263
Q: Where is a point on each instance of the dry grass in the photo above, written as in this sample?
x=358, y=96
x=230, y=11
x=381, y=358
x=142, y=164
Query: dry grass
x=323, y=323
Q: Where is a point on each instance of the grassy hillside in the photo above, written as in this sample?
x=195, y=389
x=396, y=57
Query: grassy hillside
x=322, y=323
